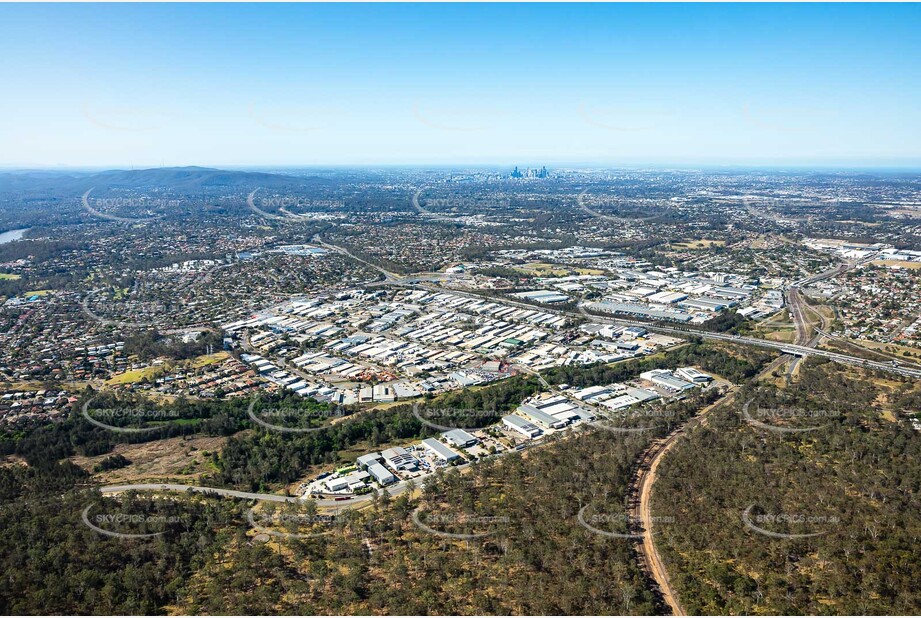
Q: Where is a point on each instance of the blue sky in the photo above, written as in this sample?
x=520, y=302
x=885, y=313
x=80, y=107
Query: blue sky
x=266, y=85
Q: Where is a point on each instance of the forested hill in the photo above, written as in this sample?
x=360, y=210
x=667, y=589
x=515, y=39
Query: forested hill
x=188, y=179
x=854, y=483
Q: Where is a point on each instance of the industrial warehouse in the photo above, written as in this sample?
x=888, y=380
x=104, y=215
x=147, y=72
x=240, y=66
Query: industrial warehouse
x=538, y=416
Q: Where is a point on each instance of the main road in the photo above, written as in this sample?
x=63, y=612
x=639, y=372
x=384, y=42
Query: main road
x=351, y=502
x=684, y=331
x=414, y=281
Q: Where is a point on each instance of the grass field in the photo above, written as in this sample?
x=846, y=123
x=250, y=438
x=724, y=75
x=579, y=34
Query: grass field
x=135, y=375
x=895, y=349
x=782, y=335
x=210, y=359
x=778, y=327
x=10, y=276
x=761, y=242
x=781, y=319
x=174, y=459
x=897, y=264
x=703, y=243
x=542, y=269
x=824, y=311
x=73, y=387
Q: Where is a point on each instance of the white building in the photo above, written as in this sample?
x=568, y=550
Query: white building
x=381, y=474
x=439, y=450
x=516, y=423
x=693, y=375
x=352, y=481
x=459, y=438
x=666, y=380
x=398, y=458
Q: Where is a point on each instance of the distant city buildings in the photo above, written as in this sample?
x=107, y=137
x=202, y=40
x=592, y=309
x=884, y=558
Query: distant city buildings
x=529, y=173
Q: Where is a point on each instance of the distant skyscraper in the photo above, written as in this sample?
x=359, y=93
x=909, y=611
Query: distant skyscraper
x=530, y=173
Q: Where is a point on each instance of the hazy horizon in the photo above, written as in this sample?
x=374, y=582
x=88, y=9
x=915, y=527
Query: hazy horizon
x=913, y=167
x=213, y=85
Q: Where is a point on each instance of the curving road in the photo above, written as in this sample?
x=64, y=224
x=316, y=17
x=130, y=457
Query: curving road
x=353, y=500
x=793, y=349
x=176, y=487
x=389, y=277
x=142, y=325
x=242, y=495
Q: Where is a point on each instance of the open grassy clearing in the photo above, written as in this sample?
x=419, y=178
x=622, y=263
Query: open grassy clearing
x=177, y=459
x=897, y=264
x=895, y=349
x=136, y=375
x=210, y=359
x=702, y=243
x=542, y=269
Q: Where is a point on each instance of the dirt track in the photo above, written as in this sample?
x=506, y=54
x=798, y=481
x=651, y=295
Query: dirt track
x=640, y=494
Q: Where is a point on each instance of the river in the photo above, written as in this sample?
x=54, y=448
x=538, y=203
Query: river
x=12, y=235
